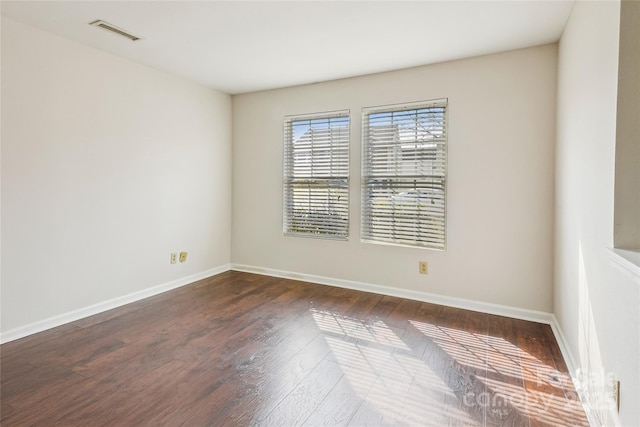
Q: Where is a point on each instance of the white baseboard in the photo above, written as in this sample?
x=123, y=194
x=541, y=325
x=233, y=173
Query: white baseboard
x=567, y=354
x=573, y=368
x=484, y=307
x=61, y=319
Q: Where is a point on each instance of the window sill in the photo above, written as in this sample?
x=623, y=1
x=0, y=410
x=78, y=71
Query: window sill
x=628, y=261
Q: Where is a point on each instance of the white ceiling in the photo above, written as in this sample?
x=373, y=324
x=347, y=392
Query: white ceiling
x=241, y=46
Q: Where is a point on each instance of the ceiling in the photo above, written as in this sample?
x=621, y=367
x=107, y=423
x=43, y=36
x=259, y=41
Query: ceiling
x=242, y=46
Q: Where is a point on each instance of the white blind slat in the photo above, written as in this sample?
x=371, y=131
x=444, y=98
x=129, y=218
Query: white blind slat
x=316, y=175
x=404, y=164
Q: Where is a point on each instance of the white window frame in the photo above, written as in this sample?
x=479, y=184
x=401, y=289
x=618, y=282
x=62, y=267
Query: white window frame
x=316, y=175
x=404, y=174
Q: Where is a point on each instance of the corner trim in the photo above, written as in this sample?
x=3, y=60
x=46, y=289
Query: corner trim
x=484, y=307
x=628, y=262
x=61, y=319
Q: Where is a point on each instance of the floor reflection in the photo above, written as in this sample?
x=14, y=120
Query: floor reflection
x=453, y=377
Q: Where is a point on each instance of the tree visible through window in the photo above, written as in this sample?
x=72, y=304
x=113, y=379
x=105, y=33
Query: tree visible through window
x=316, y=175
x=404, y=174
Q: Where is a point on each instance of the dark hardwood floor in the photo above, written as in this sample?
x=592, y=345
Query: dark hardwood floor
x=240, y=349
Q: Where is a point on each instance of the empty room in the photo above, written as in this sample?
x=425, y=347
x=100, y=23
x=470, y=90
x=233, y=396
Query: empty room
x=320, y=213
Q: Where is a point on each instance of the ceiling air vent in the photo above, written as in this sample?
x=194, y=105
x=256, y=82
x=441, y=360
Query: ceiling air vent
x=114, y=29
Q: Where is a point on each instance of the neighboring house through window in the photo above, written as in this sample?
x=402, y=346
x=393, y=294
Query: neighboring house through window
x=404, y=165
x=316, y=175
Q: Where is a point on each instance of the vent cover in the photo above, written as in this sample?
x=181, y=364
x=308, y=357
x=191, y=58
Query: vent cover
x=106, y=26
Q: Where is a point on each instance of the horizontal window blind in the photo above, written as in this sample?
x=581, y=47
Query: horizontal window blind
x=404, y=165
x=316, y=175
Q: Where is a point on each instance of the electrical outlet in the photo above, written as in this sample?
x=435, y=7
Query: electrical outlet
x=423, y=267
x=183, y=256
x=174, y=258
x=616, y=394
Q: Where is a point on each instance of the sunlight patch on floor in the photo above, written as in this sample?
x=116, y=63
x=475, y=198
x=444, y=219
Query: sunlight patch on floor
x=462, y=377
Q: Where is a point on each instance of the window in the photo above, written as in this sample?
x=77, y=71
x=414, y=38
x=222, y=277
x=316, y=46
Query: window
x=404, y=149
x=316, y=175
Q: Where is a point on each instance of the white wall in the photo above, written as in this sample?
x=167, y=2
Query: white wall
x=596, y=302
x=107, y=167
x=500, y=182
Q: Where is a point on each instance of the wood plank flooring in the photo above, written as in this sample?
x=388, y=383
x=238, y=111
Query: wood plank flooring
x=240, y=349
